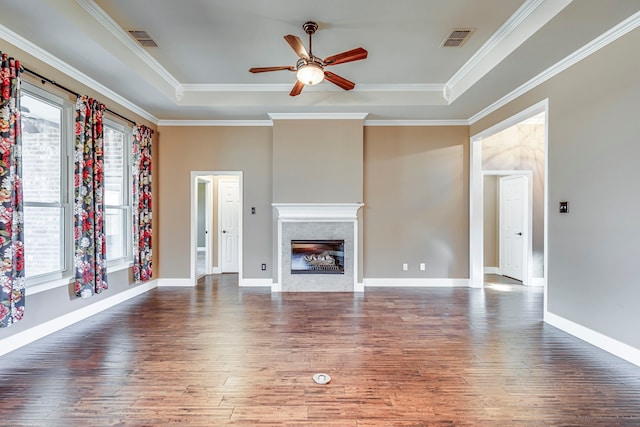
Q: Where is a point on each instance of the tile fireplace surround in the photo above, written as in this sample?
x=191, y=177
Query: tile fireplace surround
x=317, y=221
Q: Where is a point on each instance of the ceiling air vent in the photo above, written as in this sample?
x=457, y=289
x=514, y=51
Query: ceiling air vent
x=458, y=37
x=143, y=38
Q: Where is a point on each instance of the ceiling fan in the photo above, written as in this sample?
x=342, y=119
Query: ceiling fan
x=309, y=69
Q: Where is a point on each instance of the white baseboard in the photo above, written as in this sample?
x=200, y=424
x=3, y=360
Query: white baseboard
x=276, y=287
x=424, y=283
x=617, y=348
x=492, y=270
x=358, y=287
x=176, y=282
x=216, y=270
x=54, y=325
x=255, y=283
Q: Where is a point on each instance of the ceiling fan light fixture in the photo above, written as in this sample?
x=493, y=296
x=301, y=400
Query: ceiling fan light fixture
x=309, y=68
x=310, y=74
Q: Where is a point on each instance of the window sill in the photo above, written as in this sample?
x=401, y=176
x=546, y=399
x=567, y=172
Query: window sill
x=52, y=284
x=119, y=265
x=45, y=286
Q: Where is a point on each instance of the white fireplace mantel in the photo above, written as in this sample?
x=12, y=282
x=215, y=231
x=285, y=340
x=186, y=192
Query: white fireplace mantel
x=317, y=211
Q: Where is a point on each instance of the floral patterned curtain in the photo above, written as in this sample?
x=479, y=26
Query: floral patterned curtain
x=90, y=240
x=141, y=150
x=11, y=217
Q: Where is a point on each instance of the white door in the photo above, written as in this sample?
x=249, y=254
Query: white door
x=514, y=203
x=229, y=202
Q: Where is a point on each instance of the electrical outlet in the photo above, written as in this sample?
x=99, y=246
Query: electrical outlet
x=405, y=267
x=422, y=266
x=264, y=267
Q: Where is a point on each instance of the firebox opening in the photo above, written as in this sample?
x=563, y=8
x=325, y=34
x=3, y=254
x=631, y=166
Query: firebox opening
x=317, y=257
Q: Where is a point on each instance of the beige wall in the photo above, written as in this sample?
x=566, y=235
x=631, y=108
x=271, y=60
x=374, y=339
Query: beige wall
x=593, y=163
x=416, y=191
x=186, y=149
x=317, y=161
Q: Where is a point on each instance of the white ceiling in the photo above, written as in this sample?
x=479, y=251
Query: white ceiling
x=199, y=71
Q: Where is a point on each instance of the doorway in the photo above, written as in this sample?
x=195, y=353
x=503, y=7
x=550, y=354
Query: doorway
x=216, y=201
x=512, y=158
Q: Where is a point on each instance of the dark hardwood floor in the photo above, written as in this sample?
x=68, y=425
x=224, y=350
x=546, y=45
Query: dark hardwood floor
x=219, y=354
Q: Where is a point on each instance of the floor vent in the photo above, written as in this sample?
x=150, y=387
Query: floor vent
x=458, y=37
x=143, y=38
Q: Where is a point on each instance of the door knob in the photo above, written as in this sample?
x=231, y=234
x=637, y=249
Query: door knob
x=518, y=234
x=224, y=231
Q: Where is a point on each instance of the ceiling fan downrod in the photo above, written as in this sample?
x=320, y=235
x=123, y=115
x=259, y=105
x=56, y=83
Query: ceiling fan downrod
x=310, y=28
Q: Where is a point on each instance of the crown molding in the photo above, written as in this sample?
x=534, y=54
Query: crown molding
x=313, y=116
x=494, y=41
x=400, y=87
x=318, y=116
x=361, y=87
x=215, y=123
x=501, y=43
x=236, y=87
x=92, y=8
x=515, y=21
x=44, y=56
x=416, y=123
x=598, y=43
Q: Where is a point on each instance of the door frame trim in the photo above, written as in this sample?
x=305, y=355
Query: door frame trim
x=195, y=175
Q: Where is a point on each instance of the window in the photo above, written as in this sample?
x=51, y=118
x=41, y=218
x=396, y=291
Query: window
x=116, y=182
x=44, y=172
x=47, y=176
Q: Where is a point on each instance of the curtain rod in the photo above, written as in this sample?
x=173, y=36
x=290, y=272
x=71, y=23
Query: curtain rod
x=44, y=80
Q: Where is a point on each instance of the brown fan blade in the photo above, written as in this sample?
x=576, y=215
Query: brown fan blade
x=297, y=46
x=348, y=56
x=297, y=88
x=339, y=81
x=265, y=69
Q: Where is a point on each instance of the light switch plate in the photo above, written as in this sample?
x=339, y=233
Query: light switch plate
x=564, y=207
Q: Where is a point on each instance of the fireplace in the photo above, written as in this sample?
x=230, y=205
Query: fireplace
x=317, y=256
x=327, y=235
